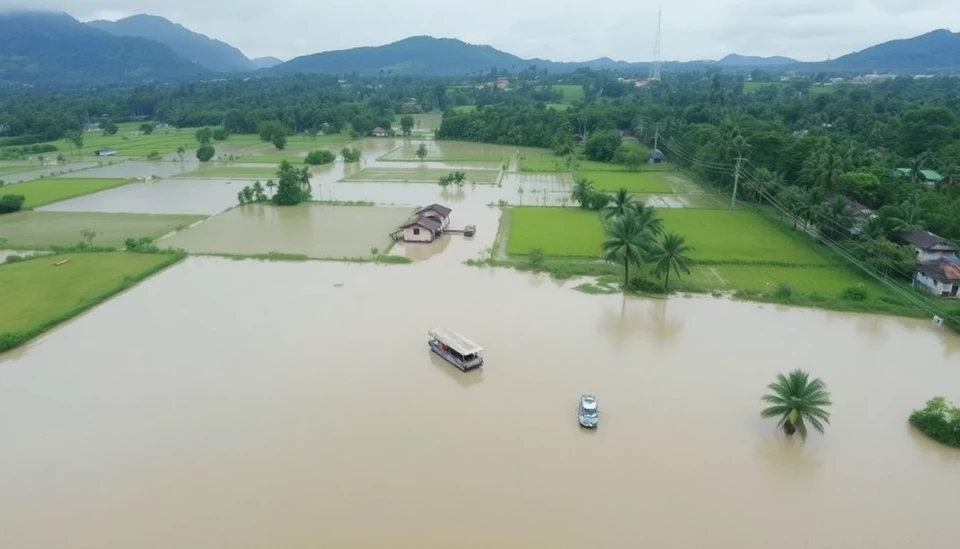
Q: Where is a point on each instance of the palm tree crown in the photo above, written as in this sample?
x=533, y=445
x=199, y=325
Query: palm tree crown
x=628, y=241
x=583, y=192
x=621, y=204
x=798, y=400
x=671, y=255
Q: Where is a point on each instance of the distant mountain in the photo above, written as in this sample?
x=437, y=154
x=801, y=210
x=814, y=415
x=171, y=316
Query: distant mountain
x=265, y=62
x=56, y=49
x=736, y=60
x=206, y=52
x=934, y=51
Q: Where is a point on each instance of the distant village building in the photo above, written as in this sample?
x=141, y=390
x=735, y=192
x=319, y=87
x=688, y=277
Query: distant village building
x=502, y=83
x=105, y=152
x=929, y=178
x=89, y=128
x=938, y=267
x=380, y=132
x=426, y=225
x=657, y=157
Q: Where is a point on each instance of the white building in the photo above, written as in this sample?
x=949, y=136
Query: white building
x=930, y=247
x=426, y=225
x=940, y=278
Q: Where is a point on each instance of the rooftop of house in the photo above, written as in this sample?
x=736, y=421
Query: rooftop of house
x=931, y=175
x=442, y=210
x=944, y=271
x=858, y=208
x=925, y=240
x=378, y=129
x=425, y=222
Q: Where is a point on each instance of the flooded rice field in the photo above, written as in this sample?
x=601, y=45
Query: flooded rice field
x=140, y=169
x=172, y=196
x=308, y=229
x=263, y=404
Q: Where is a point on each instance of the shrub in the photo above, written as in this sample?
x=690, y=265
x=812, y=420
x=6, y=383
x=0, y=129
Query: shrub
x=784, y=290
x=641, y=285
x=939, y=420
x=154, y=155
x=535, y=257
x=350, y=155
x=206, y=152
x=13, y=258
x=855, y=293
x=10, y=203
x=147, y=128
x=317, y=158
x=220, y=134
x=140, y=245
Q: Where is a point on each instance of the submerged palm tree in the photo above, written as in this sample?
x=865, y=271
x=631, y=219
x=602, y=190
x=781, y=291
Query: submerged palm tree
x=671, y=255
x=797, y=400
x=582, y=193
x=621, y=204
x=627, y=242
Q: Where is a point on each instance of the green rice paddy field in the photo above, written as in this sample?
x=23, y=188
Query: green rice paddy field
x=42, y=229
x=635, y=182
x=36, y=292
x=45, y=191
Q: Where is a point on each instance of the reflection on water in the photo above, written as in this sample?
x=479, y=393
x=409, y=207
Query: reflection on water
x=289, y=412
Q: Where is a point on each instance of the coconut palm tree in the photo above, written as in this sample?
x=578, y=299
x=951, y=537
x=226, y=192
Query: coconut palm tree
x=837, y=217
x=621, y=204
x=583, y=192
x=908, y=215
x=627, y=242
x=671, y=255
x=796, y=400
x=648, y=218
x=809, y=206
x=459, y=178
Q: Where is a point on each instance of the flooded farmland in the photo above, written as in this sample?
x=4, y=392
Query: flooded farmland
x=296, y=405
x=166, y=196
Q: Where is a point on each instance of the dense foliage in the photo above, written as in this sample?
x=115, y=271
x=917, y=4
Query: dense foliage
x=316, y=158
x=939, y=420
x=293, y=185
x=10, y=203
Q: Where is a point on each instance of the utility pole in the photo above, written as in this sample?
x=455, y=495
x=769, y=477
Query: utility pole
x=736, y=182
x=656, y=144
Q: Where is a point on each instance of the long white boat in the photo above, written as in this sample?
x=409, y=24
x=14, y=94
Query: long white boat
x=456, y=349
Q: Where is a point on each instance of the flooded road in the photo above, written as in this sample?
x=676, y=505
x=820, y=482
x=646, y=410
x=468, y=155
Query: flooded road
x=295, y=405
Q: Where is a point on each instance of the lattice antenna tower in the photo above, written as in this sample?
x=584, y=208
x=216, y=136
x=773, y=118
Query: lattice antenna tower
x=655, y=68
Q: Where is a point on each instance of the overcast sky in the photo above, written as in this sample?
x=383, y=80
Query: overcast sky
x=559, y=30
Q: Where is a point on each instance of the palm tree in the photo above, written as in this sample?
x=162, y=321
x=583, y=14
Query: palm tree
x=796, y=400
x=671, y=254
x=181, y=150
x=271, y=184
x=459, y=178
x=837, y=216
x=648, y=219
x=908, y=216
x=873, y=228
x=583, y=192
x=621, y=204
x=627, y=243
x=809, y=206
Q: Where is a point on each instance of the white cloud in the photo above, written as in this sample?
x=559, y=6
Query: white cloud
x=563, y=30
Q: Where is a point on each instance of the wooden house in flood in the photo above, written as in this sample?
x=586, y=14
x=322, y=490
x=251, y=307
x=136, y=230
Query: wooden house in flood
x=426, y=225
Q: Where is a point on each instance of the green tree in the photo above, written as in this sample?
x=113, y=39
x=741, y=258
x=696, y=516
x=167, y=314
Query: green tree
x=271, y=185
x=272, y=129
x=671, y=254
x=621, y=204
x=154, y=155
x=110, y=128
x=421, y=152
x=77, y=140
x=147, y=128
x=350, y=155
x=220, y=134
x=258, y=193
x=459, y=178
x=809, y=207
x=836, y=219
x=204, y=135
x=206, y=152
x=290, y=186
x=406, y=124
x=797, y=400
x=582, y=193
x=602, y=145
x=626, y=243
x=634, y=160
x=317, y=158
x=181, y=150
x=279, y=141
x=10, y=203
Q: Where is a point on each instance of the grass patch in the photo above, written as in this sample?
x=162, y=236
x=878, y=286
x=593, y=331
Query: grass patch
x=544, y=164
x=39, y=296
x=571, y=92
x=635, y=182
x=418, y=175
x=47, y=191
x=41, y=230
x=739, y=237
x=597, y=288
x=564, y=232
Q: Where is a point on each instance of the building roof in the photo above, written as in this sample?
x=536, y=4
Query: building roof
x=455, y=341
x=925, y=240
x=931, y=175
x=858, y=208
x=425, y=222
x=442, y=210
x=944, y=271
x=904, y=172
x=378, y=129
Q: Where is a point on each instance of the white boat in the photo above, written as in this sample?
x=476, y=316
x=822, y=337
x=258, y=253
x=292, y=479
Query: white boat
x=456, y=349
x=589, y=411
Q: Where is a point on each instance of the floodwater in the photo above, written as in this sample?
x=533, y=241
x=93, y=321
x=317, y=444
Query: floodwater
x=308, y=229
x=296, y=405
x=160, y=196
x=142, y=169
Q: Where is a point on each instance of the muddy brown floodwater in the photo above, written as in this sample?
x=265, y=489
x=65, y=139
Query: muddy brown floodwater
x=295, y=405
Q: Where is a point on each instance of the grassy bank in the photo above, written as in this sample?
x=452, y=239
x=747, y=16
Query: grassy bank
x=39, y=295
x=47, y=191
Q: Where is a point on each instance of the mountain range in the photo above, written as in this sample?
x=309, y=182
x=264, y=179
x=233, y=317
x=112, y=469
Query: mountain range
x=42, y=48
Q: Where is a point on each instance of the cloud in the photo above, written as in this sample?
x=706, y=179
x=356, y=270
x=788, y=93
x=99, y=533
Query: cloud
x=563, y=30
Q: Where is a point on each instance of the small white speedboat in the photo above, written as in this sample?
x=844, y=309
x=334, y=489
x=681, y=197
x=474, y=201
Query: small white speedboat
x=589, y=412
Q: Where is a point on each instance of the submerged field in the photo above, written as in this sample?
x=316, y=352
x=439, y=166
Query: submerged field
x=24, y=229
x=308, y=230
x=447, y=152
x=47, y=191
x=37, y=294
x=419, y=175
